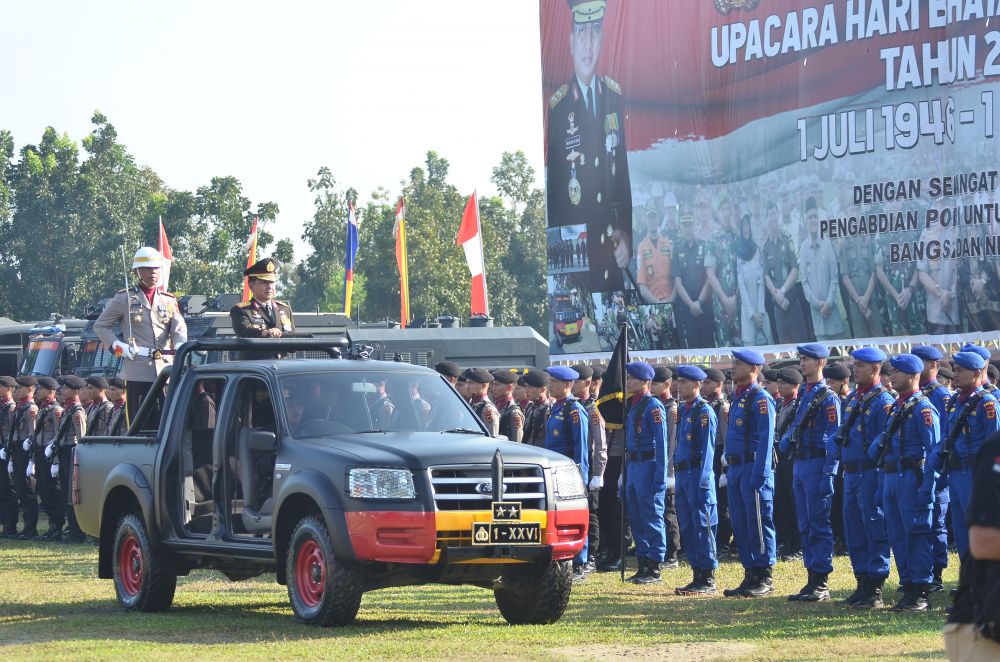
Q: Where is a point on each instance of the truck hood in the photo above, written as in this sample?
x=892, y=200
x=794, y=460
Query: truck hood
x=420, y=450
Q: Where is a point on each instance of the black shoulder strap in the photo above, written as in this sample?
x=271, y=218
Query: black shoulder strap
x=967, y=409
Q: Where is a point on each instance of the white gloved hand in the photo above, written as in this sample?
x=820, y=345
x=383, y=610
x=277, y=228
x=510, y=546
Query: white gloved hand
x=723, y=480
x=50, y=450
x=30, y=471
x=671, y=482
x=3, y=454
x=10, y=469
x=619, y=482
x=597, y=482
x=26, y=444
x=123, y=349
x=55, y=470
x=724, y=462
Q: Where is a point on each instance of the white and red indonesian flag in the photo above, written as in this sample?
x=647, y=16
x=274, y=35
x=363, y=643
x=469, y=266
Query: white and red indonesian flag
x=168, y=259
x=470, y=238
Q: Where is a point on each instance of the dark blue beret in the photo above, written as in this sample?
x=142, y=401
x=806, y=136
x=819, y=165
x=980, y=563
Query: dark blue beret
x=751, y=356
x=869, y=355
x=562, y=373
x=982, y=351
x=814, y=350
x=927, y=353
x=908, y=363
x=969, y=360
x=640, y=370
x=691, y=372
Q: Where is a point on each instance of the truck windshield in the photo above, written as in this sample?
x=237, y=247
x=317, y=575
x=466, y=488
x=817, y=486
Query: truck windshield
x=324, y=404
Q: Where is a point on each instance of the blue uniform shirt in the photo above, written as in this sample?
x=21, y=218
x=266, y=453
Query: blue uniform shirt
x=876, y=403
x=938, y=395
x=821, y=433
x=566, y=432
x=980, y=424
x=917, y=438
x=751, y=429
x=646, y=430
x=696, y=428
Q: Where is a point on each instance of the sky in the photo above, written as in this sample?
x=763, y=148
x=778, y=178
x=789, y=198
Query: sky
x=269, y=92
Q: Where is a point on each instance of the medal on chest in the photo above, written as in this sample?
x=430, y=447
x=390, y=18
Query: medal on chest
x=575, y=192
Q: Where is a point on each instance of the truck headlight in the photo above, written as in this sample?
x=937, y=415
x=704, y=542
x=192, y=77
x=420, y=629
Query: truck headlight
x=378, y=483
x=568, y=482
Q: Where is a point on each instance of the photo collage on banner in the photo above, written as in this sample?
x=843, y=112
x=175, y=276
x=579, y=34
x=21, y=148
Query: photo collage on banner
x=726, y=173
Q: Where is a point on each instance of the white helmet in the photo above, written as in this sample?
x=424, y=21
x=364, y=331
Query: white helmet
x=147, y=257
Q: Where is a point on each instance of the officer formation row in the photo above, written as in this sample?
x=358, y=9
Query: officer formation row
x=903, y=442
x=41, y=421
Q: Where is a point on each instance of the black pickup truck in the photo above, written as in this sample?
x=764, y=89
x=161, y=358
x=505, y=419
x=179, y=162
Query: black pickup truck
x=340, y=475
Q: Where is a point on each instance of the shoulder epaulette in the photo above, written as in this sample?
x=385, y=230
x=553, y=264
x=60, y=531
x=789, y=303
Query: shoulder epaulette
x=558, y=96
x=612, y=84
x=282, y=303
x=168, y=294
x=125, y=290
x=242, y=304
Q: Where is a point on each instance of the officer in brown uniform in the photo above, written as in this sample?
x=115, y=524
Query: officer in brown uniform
x=150, y=321
x=21, y=431
x=8, y=497
x=72, y=428
x=536, y=383
x=46, y=427
x=262, y=316
x=479, y=381
x=511, y=417
x=99, y=409
x=118, y=421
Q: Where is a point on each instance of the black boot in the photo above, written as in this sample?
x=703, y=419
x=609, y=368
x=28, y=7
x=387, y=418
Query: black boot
x=872, y=599
x=913, y=600
x=652, y=573
x=671, y=562
x=684, y=590
x=805, y=589
x=641, y=572
x=703, y=584
x=609, y=565
x=937, y=584
x=820, y=591
x=748, y=574
x=761, y=585
x=860, y=591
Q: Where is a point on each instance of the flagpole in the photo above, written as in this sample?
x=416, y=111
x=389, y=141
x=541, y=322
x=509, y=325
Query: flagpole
x=482, y=256
x=622, y=376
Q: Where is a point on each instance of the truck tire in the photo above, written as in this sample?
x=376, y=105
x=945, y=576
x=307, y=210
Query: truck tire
x=145, y=578
x=323, y=591
x=528, y=596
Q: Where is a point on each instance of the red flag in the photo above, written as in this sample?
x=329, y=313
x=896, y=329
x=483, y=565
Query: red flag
x=470, y=238
x=168, y=259
x=251, y=258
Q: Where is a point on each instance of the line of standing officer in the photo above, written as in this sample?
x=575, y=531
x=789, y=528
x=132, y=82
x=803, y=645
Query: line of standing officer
x=661, y=388
x=750, y=475
x=8, y=496
x=46, y=428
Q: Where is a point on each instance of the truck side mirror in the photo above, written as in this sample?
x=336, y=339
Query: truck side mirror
x=262, y=441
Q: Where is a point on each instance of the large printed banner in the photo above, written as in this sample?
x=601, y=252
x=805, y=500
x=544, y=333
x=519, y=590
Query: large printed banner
x=725, y=173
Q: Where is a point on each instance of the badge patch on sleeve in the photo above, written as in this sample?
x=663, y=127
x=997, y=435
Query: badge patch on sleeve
x=595, y=418
x=762, y=405
x=928, y=417
x=991, y=410
x=831, y=413
x=575, y=415
x=704, y=420
x=657, y=417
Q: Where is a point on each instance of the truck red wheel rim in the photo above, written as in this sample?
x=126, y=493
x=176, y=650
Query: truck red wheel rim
x=130, y=565
x=310, y=573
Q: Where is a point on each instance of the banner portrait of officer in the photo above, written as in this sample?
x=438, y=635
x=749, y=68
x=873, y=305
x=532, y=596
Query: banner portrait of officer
x=588, y=180
x=150, y=321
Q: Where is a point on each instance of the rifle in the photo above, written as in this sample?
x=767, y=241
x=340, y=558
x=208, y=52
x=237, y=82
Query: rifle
x=810, y=414
x=894, y=426
x=949, y=444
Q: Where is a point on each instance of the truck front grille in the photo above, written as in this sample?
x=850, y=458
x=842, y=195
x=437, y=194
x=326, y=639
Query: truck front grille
x=469, y=486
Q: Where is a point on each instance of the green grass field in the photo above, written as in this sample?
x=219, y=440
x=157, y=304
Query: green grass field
x=52, y=606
